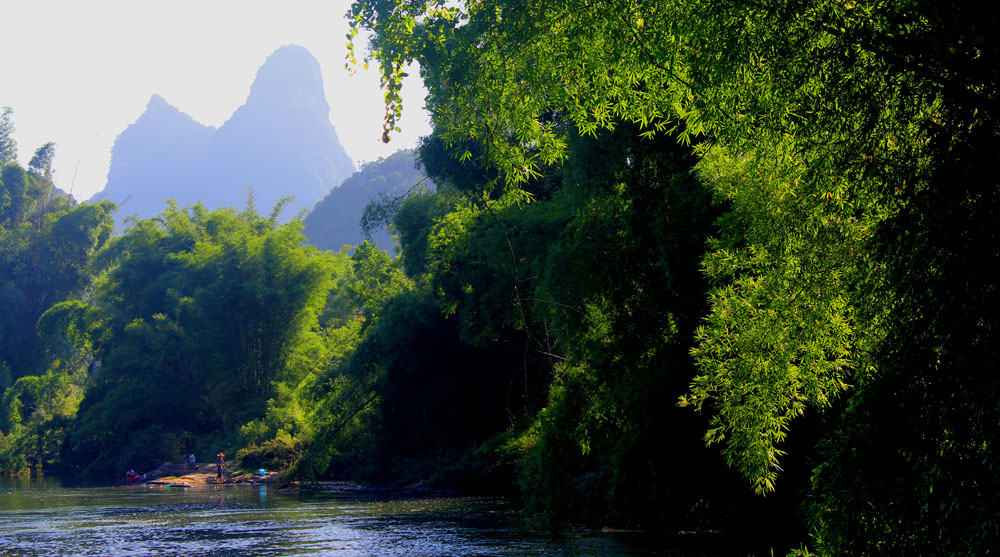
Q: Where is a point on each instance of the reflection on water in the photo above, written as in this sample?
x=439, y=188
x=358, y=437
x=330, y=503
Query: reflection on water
x=237, y=520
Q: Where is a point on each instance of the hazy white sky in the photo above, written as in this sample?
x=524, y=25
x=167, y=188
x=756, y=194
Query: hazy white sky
x=79, y=72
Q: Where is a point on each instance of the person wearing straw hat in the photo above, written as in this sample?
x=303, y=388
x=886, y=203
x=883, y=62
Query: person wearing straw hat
x=219, y=461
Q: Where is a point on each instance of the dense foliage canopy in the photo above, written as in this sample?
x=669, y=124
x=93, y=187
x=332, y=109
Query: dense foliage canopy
x=46, y=248
x=851, y=146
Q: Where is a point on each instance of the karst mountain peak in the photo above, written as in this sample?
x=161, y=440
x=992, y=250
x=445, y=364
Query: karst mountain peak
x=279, y=143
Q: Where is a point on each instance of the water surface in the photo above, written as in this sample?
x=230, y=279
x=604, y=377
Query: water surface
x=51, y=519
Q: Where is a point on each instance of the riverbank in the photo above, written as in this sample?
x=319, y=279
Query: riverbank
x=203, y=475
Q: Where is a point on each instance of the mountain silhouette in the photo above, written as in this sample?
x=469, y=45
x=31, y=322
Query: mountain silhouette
x=280, y=143
x=335, y=220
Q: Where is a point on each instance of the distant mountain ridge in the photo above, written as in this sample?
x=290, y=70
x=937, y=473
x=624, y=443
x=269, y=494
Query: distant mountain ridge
x=335, y=220
x=279, y=143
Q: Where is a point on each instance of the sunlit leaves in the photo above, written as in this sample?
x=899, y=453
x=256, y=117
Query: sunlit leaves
x=499, y=73
x=378, y=280
x=218, y=311
x=853, y=147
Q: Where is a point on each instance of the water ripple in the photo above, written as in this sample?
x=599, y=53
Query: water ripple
x=242, y=521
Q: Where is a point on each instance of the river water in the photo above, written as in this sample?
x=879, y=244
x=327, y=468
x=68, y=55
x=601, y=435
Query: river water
x=47, y=518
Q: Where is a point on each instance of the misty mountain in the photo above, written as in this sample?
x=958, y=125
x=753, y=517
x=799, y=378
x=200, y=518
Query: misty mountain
x=335, y=220
x=279, y=143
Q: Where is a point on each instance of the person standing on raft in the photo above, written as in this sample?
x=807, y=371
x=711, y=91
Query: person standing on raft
x=219, y=461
